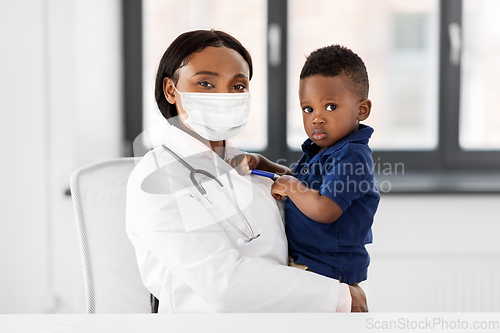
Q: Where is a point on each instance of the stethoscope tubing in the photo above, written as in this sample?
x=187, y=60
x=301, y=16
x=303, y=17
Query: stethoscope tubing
x=199, y=187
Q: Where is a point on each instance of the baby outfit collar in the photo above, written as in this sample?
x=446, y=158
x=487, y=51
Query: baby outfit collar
x=362, y=135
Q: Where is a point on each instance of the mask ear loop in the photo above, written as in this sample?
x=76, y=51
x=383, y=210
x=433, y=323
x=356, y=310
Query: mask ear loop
x=181, y=115
x=177, y=90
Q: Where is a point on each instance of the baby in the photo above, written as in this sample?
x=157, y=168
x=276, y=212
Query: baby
x=331, y=195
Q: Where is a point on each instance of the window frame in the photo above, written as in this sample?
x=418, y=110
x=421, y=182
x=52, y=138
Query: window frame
x=132, y=96
x=447, y=157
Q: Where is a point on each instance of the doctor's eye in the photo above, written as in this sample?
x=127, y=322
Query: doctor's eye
x=206, y=84
x=239, y=87
x=307, y=109
x=331, y=107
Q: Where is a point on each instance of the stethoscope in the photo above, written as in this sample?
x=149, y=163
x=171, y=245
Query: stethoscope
x=192, y=172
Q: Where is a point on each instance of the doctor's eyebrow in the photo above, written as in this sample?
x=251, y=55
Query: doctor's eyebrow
x=241, y=75
x=206, y=73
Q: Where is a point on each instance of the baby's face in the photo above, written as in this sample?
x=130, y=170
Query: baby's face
x=330, y=110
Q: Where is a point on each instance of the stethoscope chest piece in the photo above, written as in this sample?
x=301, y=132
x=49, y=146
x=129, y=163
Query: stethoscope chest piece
x=242, y=241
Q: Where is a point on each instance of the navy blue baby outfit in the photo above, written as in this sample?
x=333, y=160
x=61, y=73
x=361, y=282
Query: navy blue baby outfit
x=344, y=173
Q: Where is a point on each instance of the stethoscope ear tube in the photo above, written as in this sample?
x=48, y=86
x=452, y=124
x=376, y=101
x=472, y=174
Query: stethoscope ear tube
x=193, y=171
x=198, y=185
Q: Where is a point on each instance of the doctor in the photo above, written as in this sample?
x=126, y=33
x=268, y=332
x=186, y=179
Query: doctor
x=226, y=251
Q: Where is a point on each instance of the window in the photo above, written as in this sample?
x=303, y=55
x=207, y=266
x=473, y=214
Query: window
x=480, y=76
x=432, y=66
x=397, y=40
x=432, y=79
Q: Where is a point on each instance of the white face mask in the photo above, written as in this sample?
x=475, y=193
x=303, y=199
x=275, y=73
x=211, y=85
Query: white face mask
x=216, y=116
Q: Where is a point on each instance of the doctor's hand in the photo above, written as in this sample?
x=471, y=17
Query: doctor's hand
x=243, y=163
x=358, y=299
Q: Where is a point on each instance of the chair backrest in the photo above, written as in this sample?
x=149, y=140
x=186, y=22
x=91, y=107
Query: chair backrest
x=111, y=274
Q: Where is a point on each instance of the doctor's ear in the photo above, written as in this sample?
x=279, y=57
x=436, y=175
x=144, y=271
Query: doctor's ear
x=169, y=90
x=364, y=109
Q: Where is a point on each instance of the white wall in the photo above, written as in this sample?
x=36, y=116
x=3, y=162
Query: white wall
x=23, y=171
x=435, y=253
x=60, y=108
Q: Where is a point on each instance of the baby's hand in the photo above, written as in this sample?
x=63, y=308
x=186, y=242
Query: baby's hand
x=278, y=189
x=243, y=163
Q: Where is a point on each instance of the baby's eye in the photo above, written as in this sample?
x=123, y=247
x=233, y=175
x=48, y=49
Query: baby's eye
x=307, y=109
x=331, y=107
x=206, y=84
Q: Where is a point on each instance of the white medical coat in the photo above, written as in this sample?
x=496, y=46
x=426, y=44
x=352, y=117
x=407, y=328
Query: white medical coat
x=188, y=254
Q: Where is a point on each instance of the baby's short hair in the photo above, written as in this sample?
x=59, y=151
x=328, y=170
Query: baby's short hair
x=338, y=60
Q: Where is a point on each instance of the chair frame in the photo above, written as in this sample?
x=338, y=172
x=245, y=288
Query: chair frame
x=81, y=228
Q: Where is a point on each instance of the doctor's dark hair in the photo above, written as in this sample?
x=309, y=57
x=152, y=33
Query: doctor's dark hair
x=178, y=54
x=336, y=60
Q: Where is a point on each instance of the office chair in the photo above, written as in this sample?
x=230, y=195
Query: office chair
x=111, y=274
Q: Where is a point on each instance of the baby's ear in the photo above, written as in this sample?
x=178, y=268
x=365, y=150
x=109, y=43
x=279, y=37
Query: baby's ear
x=364, y=108
x=169, y=90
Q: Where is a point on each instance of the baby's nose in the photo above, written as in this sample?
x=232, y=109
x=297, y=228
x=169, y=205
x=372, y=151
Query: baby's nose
x=318, y=120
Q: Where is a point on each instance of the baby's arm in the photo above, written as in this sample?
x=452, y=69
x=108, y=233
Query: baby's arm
x=245, y=162
x=310, y=202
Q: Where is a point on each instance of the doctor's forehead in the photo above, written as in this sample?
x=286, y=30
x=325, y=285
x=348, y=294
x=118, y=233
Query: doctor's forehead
x=215, y=61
